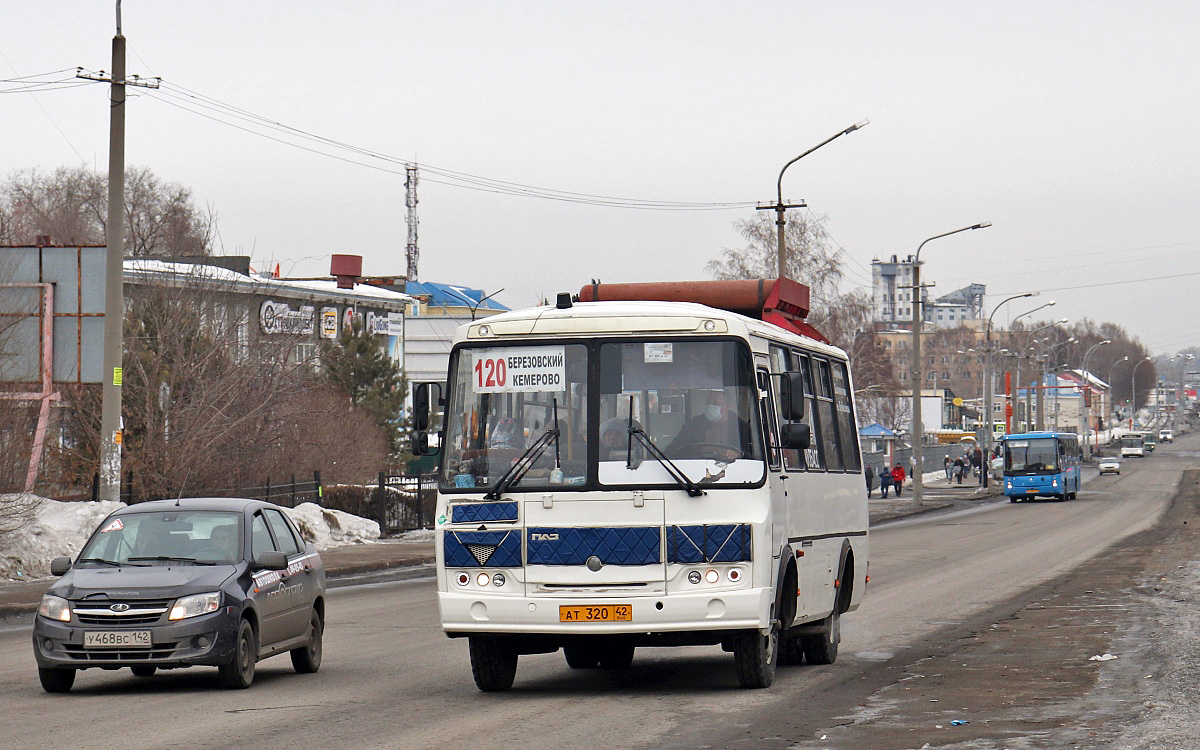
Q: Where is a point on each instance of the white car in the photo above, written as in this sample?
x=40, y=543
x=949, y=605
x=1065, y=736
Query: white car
x=1109, y=466
x=1166, y=436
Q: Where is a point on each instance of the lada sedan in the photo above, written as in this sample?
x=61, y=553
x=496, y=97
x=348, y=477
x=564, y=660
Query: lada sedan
x=1109, y=466
x=218, y=582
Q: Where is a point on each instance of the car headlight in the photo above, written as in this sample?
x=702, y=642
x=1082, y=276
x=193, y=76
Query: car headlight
x=194, y=605
x=55, y=608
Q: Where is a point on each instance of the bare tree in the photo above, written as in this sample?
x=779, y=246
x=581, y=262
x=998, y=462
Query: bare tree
x=71, y=206
x=201, y=412
x=891, y=410
x=810, y=258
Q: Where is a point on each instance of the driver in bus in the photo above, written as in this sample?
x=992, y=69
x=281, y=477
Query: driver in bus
x=718, y=433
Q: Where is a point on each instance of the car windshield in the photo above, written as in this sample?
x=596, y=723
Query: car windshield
x=162, y=537
x=1032, y=455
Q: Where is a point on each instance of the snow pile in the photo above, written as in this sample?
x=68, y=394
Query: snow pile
x=58, y=530
x=331, y=528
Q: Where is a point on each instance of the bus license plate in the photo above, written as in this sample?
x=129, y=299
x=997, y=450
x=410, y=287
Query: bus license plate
x=116, y=638
x=595, y=613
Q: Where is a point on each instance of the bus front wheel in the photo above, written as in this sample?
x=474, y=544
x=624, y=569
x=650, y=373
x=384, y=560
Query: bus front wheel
x=493, y=663
x=755, y=656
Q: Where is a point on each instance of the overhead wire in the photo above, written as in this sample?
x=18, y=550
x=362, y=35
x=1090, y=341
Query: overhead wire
x=222, y=112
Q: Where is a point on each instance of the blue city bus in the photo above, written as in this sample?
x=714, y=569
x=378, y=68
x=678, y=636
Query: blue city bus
x=1041, y=464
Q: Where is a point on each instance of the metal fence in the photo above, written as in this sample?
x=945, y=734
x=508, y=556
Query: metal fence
x=289, y=492
x=405, y=502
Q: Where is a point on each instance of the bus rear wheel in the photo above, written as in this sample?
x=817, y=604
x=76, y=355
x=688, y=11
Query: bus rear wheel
x=822, y=648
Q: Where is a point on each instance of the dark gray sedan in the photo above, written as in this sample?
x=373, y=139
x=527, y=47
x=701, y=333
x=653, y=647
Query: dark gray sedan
x=218, y=582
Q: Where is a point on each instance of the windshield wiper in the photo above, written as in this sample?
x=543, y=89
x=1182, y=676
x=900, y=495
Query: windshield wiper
x=682, y=479
x=99, y=560
x=525, y=461
x=169, y=558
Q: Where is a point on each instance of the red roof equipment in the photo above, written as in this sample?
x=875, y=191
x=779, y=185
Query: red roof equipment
x=781, y=302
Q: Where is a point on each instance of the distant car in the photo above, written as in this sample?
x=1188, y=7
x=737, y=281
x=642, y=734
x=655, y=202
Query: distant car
x=1166, y=436
x=1109, y=466
x=218, y=582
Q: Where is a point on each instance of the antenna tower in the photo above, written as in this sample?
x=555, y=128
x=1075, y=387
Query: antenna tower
x=410, y=200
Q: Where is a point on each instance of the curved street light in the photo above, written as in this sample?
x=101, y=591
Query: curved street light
x=779, y=207
x=1108, y=416
x=1133, y=387
x=989, y=385
x=1087, y=412
x=918, y=321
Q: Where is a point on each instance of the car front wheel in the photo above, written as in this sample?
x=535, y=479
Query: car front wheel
x=238, y=673
x=56, y=680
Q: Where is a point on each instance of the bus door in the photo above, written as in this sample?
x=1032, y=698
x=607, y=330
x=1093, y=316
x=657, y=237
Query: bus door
x=776, y=478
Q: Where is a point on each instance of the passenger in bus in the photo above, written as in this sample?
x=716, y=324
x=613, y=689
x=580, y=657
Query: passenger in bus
x=614, y=441
x=718, y=433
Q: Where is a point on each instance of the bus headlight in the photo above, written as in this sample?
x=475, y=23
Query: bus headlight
x=463, y=579
x=712, y=576
x=483, y=579
x=734, y=575
x=498, y=579
x=694, y=577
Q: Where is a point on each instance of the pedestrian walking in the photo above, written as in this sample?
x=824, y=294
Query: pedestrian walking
x=959, y=469
x=946, y=467
x=885, y=481
x=898, y=478
x=870, y=475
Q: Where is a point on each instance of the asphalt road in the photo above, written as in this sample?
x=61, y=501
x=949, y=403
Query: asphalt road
x=390, y=679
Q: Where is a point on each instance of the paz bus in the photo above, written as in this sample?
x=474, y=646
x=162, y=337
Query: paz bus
x=647, y=465
x=1042, y=463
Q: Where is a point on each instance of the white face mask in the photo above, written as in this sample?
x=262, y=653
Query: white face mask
x=713, y=412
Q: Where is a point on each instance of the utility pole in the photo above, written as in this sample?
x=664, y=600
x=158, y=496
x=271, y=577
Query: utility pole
x=412, y=254
x=114, y=291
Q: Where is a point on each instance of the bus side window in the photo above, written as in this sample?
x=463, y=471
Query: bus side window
x=816, y=455
x=767, y=416
x=847, y=431
x=793, y=459
x=825, y=417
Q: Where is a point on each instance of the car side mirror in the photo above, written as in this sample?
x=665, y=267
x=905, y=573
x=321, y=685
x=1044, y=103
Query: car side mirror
x=791, y=396
x=271, y=560
x=59, y=566
x=796, y=435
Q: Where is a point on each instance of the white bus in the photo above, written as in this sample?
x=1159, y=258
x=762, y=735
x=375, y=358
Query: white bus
x=642, y=473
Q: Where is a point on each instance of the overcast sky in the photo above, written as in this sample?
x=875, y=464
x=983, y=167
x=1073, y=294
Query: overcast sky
x=1072, y=126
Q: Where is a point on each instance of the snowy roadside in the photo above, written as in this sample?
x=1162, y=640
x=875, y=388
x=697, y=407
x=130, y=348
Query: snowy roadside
x=60, y=529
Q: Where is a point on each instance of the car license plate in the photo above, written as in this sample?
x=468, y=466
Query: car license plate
x=595, y=613
x=116, y=639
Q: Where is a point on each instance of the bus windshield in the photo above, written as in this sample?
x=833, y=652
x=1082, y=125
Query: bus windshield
x=627, y=413
x=1031, y=455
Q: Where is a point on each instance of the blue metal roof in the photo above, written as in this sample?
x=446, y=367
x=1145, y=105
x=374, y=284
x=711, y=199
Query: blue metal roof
x=452, y=295
x=875, y=430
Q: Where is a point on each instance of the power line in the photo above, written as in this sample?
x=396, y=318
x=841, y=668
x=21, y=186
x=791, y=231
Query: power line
x=222, y=112
x=1112, y=283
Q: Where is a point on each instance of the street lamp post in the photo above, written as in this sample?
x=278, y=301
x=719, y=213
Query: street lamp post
x=1046, y=358
x=1108, y=415
x=989, y=386
x=780, y=207
x=918, y=319
x=1133, y=387
x=1014, y=396
x=1087, y=382
x=1183, y=360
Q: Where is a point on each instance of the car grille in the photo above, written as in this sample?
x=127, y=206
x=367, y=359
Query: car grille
x=157, y=651
x=101, y=612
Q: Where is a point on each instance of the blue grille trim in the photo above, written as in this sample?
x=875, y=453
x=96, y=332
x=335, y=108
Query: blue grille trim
x=705, y=544
x=638, y=545
x=483, y=512
x=506, y=552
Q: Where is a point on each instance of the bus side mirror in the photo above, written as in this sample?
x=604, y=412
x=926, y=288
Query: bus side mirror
x=423, y=400
x=791, y=396
x=795, y=436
